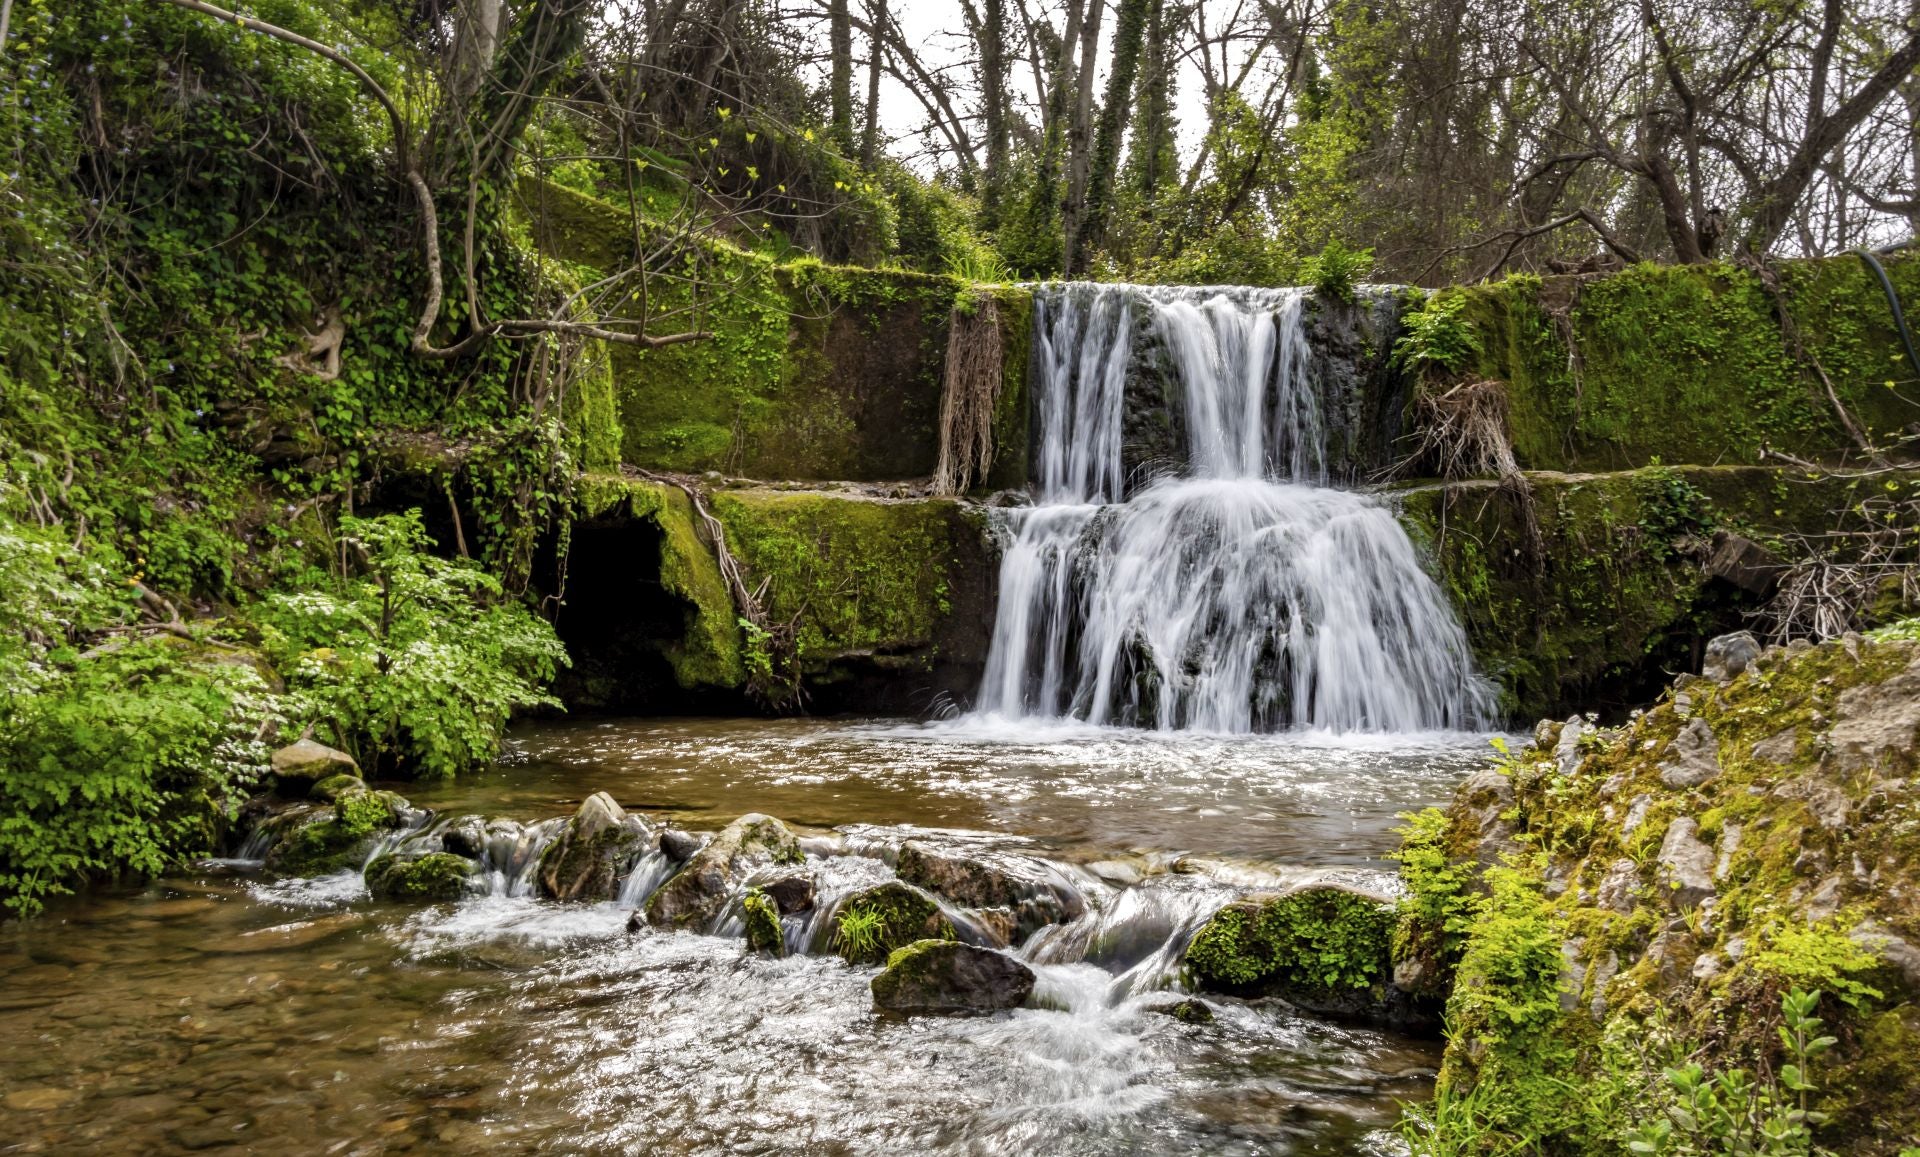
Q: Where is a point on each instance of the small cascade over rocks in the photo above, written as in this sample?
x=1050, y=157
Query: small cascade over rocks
x=1225, y=587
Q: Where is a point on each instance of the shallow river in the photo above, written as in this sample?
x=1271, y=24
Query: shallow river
x=228, y=1012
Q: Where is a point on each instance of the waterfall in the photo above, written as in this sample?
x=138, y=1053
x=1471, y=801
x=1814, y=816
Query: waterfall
x=1242, y=593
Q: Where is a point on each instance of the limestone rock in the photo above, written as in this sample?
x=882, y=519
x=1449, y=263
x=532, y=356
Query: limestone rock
x=1876, y=719
x=1619, y=885
x=679, y=846
x=1778, y=748
x=1693, y=758
x=1729, y=655
x=1686, y=865
x=588, y=858
x=699, y=890
x=307, y=762
x=943, y=976
x=791, y=893
x=1566, y=752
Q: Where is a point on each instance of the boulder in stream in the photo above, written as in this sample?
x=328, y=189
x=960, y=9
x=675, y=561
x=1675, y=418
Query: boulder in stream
x=588, y=858
x=1030, y=890
x=318, y=841
x=437, y=877
x=698, y=891
x=303, y=763
x=947, y=976
x=762, y=916
x=871, y=925
x=1326, y=947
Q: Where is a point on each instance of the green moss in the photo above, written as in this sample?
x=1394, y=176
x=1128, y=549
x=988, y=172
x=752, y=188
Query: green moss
x=856, y=576
x=436, y=878
x=763, y=923
x=339, y=841
x=811, y=371
x=1438, y=912
x=1568, y=984
x=1686, y=363
x=883, y=922
x=1616, y=593
x=1316, y=939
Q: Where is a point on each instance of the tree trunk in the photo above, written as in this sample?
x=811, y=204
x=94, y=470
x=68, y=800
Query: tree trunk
x=840, y=83
x=993, y=83
x=1080, y=138
x=876, y=54
x=1127, y=34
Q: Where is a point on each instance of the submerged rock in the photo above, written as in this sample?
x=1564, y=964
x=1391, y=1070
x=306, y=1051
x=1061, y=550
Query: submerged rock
x=588, y=858
x=466, y=836
x=1325, y=947
x=791, y=893
x=943, y=976
x=335, y=786
x=1186, y=1011
x=699, y=890
x=301, y=764
x=432, y=878
x=869, y=926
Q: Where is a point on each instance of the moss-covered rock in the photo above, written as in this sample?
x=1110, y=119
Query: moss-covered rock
x=1324, y=947
x=871, y=925
x=1028, y=892
x=434, y=878
x=698, y=891
x=589, y=857
x=1645, y=913
x=331, y=840
x=335, y=786
x=303, y=763
x=762, y=916
x=1615, y=590
x=942, y=976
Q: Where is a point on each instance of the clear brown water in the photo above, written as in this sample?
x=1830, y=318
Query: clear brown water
x=233, y=1013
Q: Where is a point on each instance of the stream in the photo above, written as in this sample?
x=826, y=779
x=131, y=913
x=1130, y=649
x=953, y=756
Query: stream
x=227, y=1011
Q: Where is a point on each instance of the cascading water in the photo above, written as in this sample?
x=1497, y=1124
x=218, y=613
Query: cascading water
x=1243, y=595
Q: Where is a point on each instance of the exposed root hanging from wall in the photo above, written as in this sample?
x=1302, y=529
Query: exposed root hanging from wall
x=1460, y=432
x=975, y=353
x=772, y=658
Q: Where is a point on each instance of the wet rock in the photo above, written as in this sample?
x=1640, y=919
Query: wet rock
x=466, y=836
x=1744, y=563
x=872, y=924
x=1032, y=890
x=328, y=840
x=1325, y=947
x=1686, y=865
x=588, y=858
x=1693, y=758
x=943, y=976
x=1729, y=655
x=699, y=890
x=679, y=846
x=790, y=893
x=1188, y=1011
x=434, y=878
x=300, y=765
x=762, y=916
x=333, y=787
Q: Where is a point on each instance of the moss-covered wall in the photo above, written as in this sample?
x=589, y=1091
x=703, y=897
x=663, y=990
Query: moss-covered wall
x=1690, y=363
x=875, y=587
x=813, y=372
x=1616, y=596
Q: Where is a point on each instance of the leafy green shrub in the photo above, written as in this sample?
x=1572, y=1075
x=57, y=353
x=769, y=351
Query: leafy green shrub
x=413, y=663
x=1733, y=1112
x=1317, y=938
x=1440, y=907
x=1336, y=269
x=1437, y=340
x=124, y=761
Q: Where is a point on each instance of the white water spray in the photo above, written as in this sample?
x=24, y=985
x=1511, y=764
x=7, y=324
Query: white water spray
x=1244, y=596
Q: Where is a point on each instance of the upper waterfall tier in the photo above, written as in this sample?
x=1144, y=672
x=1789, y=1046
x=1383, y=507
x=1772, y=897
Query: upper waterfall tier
x=1134, y=383
x=1187, y=566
